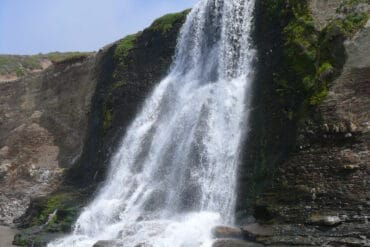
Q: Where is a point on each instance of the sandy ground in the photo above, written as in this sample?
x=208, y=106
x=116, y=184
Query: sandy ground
x=6, y=236
x=6, y=78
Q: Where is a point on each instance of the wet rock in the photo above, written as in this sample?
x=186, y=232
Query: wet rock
x=351, y=167
x=257, y=230
x=227, y=232
x=108, y=243
x=348, y=135
x=4, y=151
x=12, y=206
x=325, y=220
x=235, y=243
x=349, y=242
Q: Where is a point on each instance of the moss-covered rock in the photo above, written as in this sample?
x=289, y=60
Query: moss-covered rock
x=296, y=65
x=124, y=46
x=49, y=216
x=307, y=52
x=166, y=22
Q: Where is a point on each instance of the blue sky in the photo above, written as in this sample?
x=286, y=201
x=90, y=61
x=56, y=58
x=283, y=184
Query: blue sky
x=34, y=26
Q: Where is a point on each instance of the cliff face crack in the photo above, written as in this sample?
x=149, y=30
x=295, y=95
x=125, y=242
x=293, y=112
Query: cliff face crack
x=174, y=176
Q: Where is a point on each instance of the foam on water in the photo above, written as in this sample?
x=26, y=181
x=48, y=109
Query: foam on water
x=173, y=177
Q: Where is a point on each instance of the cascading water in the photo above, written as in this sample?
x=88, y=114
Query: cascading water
x=173, y=177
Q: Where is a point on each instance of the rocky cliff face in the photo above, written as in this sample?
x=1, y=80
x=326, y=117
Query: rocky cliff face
x=319, y=195
x=43, y=121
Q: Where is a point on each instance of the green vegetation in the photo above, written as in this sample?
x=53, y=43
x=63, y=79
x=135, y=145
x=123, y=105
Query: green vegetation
x=18, y=65
x=307, y=61
x=311, y=59
x=58, y=57
x=348, y=6
x=125, y=52
x=22, y=65
x=65, y=208
x=165, y=23
x=41, y=222
x=108, y=118
x=20, y=240
x=124, y=46
x=51, y=204
x=350, y=24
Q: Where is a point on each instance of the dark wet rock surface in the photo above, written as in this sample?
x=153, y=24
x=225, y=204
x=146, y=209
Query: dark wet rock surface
x=108, y=243
x=234, y=243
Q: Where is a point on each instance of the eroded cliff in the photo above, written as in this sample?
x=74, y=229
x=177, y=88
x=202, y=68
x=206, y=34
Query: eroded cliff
x=43, y=124
x=319, y=192
x=78, y=111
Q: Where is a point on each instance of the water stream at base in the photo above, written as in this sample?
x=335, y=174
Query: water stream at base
x=173, y=176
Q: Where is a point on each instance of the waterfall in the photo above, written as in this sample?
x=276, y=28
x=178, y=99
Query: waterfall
x=173, y=176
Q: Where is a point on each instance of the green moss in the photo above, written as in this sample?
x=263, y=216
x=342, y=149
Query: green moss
x=273, y=9
x=350, y=24
x=124, y=46
x=66, y=207
x=311, y=59
x=348, y=5
x=108, y=118
x=20, y=240
x=122, y=51
x=165, y=23
x=318, y=97
x=301, y=46
x=304, y=61
x=326, y=66
x=118, y=84
x=296, y=81
x=52, y=203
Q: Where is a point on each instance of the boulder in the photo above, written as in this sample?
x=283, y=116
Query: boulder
x=324, y=220
x=108, y=243
x=234, y=243
x=257, y=230
x=227, y=232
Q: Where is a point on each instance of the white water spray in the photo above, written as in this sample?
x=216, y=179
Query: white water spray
x=173, y=177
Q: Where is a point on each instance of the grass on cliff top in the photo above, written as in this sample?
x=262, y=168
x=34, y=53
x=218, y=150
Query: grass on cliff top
x=58, y=57
x=162, y=24
x=124, y=46
x=18, y=65
x=165, y=23
x=21, y=65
